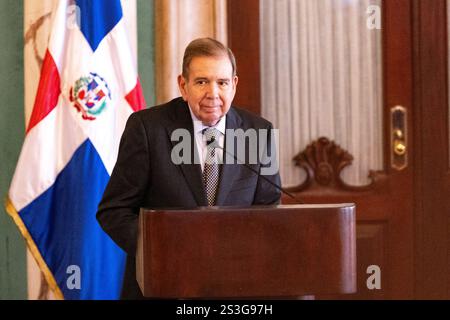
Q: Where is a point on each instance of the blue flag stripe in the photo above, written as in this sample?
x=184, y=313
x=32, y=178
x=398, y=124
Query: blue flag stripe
x=67, y=233
x=98, y=18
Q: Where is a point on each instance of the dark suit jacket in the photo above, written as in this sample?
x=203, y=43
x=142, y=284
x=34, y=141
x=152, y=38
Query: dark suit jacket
x=145, y=176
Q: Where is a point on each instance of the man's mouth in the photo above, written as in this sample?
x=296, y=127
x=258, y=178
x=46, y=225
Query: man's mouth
x=210, y=107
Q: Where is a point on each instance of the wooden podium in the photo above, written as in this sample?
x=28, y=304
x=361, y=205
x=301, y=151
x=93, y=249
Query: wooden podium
x=253, y=252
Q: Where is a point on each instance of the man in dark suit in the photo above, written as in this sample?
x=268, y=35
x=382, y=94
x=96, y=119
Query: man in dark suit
x=147, y=174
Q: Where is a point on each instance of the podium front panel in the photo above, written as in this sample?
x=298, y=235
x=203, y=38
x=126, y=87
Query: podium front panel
x=261, y=251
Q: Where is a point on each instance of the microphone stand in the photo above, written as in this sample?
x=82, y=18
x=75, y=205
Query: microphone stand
x=215, y=145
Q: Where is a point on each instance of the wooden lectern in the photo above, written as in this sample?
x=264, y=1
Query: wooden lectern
x=253, y=252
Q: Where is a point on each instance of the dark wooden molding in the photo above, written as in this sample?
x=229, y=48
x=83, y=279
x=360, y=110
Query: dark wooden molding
x=323, y=161
x=243, y=40
x=432, y=187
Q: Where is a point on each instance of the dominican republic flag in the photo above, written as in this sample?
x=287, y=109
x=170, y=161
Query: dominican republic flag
x=88, y=88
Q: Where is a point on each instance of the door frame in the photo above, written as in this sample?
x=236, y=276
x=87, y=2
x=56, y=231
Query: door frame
x=431, y=174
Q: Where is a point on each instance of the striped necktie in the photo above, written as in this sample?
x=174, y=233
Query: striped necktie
x=211, y=168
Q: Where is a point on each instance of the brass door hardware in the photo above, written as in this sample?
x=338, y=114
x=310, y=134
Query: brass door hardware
x=399, y=139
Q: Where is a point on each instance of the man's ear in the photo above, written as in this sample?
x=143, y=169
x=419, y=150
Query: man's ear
x=182, y=87
x=235, y=81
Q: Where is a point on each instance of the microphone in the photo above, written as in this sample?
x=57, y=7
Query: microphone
x=215, y=144
x=212, y=140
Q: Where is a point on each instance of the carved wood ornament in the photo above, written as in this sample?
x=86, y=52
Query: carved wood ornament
x=323, y=160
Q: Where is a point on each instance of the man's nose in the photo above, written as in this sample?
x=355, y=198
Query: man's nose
x=213, y=90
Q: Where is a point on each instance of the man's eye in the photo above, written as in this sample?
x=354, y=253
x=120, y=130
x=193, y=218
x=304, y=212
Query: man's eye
x=223, y=83
x=201, y=82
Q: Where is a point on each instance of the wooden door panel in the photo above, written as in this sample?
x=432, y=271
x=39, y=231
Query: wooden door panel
x=371, y=250
x=383, y=214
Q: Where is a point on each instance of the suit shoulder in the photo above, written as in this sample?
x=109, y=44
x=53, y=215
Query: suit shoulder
x=252, y=119
x=159, y=113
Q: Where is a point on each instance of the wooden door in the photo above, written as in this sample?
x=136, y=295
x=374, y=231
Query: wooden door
x=402, y=217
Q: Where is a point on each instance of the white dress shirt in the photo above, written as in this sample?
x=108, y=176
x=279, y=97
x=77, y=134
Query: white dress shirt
x=201, y=140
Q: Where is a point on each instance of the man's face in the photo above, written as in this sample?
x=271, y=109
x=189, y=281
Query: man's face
x=210, y=88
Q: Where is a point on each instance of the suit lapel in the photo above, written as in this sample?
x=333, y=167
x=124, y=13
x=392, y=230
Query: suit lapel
x=229, y=171
x=191, y=172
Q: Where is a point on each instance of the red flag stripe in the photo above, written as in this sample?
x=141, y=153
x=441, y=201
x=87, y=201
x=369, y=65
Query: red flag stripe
x=48, y=91
x=135, y=97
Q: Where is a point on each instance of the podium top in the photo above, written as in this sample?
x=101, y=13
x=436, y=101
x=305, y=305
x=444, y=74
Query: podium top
x=255, y=208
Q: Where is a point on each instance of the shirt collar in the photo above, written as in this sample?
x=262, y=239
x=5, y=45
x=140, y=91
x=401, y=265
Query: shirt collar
x=199, y=126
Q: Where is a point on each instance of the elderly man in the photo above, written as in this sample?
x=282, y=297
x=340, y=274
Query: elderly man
x=146, y=174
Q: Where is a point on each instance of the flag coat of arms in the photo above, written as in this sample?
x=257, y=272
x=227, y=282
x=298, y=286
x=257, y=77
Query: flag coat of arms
x=87, y=90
